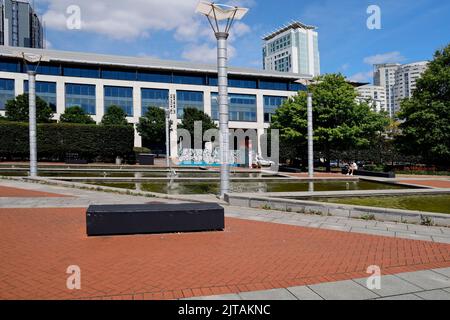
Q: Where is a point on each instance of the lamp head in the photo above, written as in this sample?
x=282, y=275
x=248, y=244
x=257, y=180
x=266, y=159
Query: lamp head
x=220, y=12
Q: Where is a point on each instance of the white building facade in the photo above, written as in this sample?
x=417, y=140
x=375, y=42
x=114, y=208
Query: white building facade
x=293, y=48
x=95, y=82
x=399, y=82
x=374, y=95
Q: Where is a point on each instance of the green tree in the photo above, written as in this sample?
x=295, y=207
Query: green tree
x=18, y=108
x=426, y=115
x=152, y=126
x=115, y=116
x=76, y=115
x=340, y=122
x=192, y=115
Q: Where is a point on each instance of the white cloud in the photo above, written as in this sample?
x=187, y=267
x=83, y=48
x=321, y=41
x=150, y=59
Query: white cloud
x=134, y=19
x=123, y=19
x=48, y=44
x=362, y=77
x=389, y=57
x=204, y=53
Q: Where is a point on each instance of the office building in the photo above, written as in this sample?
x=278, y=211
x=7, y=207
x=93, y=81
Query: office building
x=399, y=82
x=95, y=82
x=293, y=48
x=374, y=95
x=20, y=26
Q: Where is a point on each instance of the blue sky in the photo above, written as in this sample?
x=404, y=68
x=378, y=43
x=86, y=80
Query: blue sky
x=169, y=29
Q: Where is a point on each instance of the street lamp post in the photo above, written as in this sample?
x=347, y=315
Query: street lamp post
x=32, y=59
x=221, y=18
x=310, y=137
x=32, y=124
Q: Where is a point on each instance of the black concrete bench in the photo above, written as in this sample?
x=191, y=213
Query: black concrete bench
x=154, y=218
x=375, y=174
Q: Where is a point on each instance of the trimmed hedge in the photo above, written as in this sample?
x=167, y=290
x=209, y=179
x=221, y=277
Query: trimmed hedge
x=57, y=140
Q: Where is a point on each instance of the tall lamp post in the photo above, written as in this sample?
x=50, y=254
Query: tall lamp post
x=28, y=60
x=310, y=137
x=221, y=18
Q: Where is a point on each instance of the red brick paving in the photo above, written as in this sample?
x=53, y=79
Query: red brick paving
x=24, y=193
x=37, y=246
x=429, y=183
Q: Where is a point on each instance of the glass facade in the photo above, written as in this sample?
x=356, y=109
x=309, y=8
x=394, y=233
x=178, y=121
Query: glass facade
x=9, y=66
x=236, y=83
x=119, y=74
x=189, y=99
x=82, y=72
x=46, y=91
x=121, y=97
x=131, y=74
x=82, y=95
x=199, y=80
x=273, y=85
x=303, y=53
x=6, y=92
x=154, y=76
x=242, y=107
x=271, y=104
x=316, y=54
x=154, y=98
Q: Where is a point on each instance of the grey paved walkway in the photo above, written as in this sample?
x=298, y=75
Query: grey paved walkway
x=421, y=285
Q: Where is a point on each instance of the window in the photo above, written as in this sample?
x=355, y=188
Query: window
x=189, y=99
x=154, y=98
x=6, y=92
x=121, y=97
x=271, y=104
x=293, y=86
x=44, y=68
x=235, y=83
x=273, y=85
x=82, y=72
x=46, y=91
x=189, y=79
x=82, y=95
x=116, y=74
x=9, y=66
x=242, y=107
x=154, y=77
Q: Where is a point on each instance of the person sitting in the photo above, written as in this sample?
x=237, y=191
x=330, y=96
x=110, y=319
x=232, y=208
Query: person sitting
x=352, y=168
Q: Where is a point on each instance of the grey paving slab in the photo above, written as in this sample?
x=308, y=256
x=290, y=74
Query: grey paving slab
x=447, y=289
x=231, y=296
x=337, y=227
x=343, y=290
x=441, y=239
x=413, y=236
x=427, y=279
x=304, y=293
x=274, y=294
x=394, y=226
x=434, y=295
x=402, y=297
x=391, y=285
x=444, y=271
x=373, y=232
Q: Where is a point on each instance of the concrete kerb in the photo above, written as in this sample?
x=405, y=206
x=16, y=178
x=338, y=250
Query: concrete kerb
x=82, y=186
x=341, y=210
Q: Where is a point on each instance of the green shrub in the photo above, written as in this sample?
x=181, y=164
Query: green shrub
x=55, y=141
